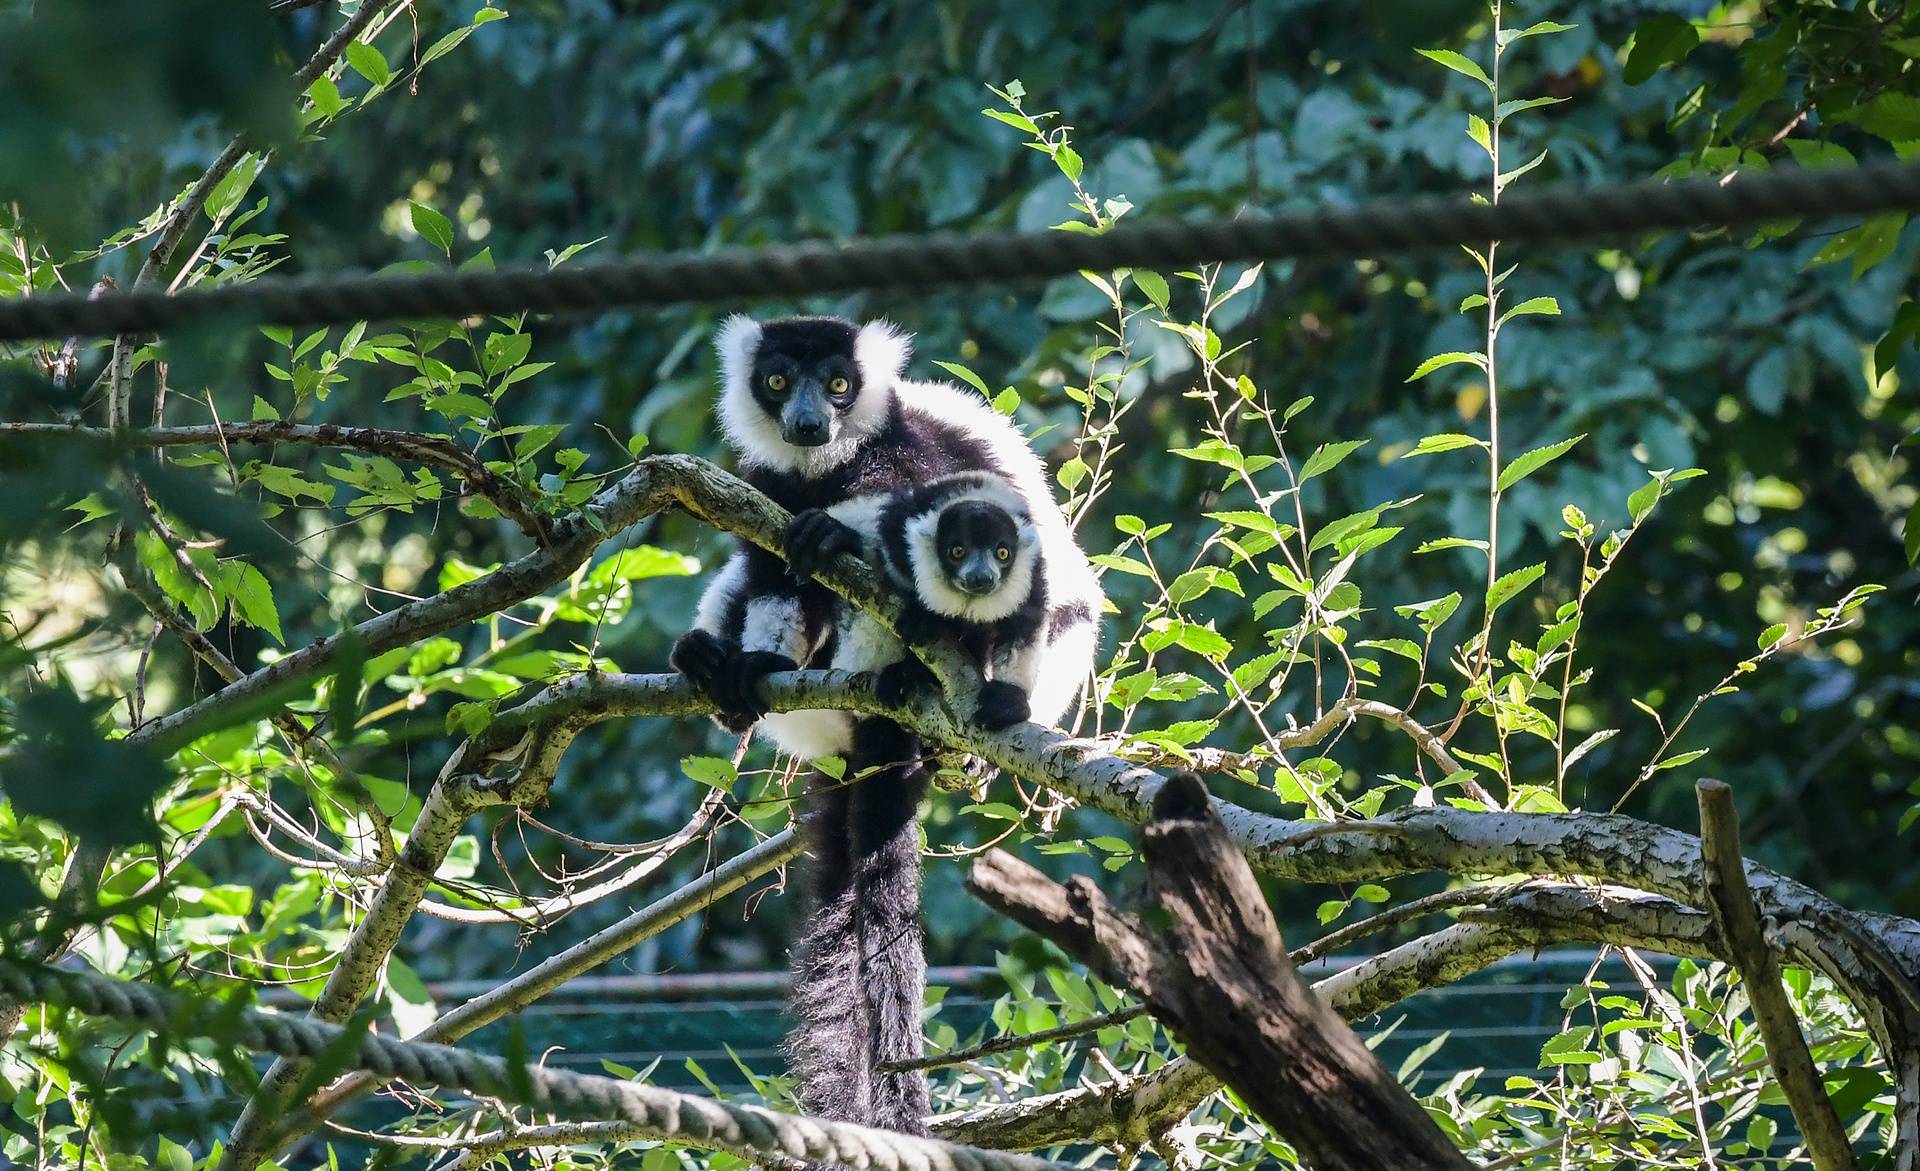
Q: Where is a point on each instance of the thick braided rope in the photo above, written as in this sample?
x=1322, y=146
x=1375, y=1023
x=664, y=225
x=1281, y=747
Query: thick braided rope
x=915, y=262
x=667, y=1115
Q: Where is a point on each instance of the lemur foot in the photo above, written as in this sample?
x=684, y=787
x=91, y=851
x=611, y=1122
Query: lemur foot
x=919, y=626
x=699, y=655
x=1001, y=705
x=738, y=689
x=814, y=539
x=702, y=657
x=901, y=681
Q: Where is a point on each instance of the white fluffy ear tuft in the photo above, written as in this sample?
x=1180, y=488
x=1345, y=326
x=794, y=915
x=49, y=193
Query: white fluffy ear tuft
x=882, y=351
x=737, y=342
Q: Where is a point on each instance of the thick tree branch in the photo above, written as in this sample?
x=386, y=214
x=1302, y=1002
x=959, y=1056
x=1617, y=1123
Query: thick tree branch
x=1207, y=956
x=1732, y=905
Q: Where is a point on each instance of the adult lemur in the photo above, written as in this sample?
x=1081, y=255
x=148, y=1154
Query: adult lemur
x=820, y=416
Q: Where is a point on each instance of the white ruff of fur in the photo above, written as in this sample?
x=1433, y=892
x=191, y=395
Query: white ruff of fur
x=879, y=350
x=1069, y=577
x=941, y=596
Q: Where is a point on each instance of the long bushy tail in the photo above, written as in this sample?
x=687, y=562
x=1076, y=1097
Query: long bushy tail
x=826, y=1004
x=885, y=843
x=859, y=964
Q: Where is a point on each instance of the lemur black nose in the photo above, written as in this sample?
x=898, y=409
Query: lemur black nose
x=808, y=432
x=979, y=581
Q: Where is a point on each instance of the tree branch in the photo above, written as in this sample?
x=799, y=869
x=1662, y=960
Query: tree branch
x=510, y=498
x=604, y=946
x=1208, y=958
x=1732, y=904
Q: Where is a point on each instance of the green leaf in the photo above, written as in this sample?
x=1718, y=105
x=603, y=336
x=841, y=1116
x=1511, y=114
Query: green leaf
x=1430, y=614
x=965, y=375
x=1440, y=361
x=1532, y=307
x=1068, y=160
x=1507, y=585
x=1664, y=40
x=433, y=227
x=1439, y=543
x=369, y=63
x=1007, y=401
x=1328, y=456
x=1505, y=110
x=1913, y=535
x=1405, y=648
x=253, y=602
x=1017, y=121
x=1773, y=634
x=1891, y=115
x=1682, y=758
x=1457, y=63
x=1507, y=177
x=1451, y=441
x=1154, y=286
x=713, y=771
x=1532, y=461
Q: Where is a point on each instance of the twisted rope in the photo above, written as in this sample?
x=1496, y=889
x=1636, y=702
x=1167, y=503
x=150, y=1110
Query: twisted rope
x=916, y=262
x=666, y=1115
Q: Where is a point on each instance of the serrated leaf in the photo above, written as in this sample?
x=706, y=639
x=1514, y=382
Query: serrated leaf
x=1458, y=63
x=713, y=771
x=253, y=602
x=1439, y=543
x=1682, y=758
x=1532, y=307
x=1441, y=361
x=1451, y=441
x=433, y=227
x=1328, y=456
x=369, y=63
x=1589, y=744
x=1017, y=121
x=1507, y=585
x=1532, y=461
x=1154, y=286
x=1663, y=40
x=965, y=375
x=1506, y=110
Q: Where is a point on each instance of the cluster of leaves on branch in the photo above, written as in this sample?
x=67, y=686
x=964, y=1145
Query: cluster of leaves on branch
x=1380, y=536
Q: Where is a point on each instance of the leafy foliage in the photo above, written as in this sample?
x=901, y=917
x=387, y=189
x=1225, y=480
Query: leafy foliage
x=1349, y=629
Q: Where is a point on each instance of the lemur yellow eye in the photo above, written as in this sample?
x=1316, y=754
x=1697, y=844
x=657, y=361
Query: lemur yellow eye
x=1003, y=552
x=957, y=552
x=839, y=386
x=775, y=382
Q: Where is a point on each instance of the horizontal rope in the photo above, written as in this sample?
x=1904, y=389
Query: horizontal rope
x=667, y=1115
x=921, y=262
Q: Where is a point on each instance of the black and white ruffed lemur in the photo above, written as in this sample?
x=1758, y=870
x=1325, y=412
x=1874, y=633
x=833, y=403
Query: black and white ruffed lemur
x=822, y=419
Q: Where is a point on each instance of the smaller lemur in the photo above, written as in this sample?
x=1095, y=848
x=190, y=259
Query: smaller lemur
x=966, y=556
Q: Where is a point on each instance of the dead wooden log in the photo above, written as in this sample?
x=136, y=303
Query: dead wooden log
x=1739, y=922
x=1207, y=957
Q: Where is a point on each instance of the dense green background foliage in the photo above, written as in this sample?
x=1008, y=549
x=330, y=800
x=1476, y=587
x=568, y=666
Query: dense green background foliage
x=628, y=127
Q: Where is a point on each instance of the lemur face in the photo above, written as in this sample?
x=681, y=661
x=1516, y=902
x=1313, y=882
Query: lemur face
x=978, y=545
x=804, y=394
x=806, y=376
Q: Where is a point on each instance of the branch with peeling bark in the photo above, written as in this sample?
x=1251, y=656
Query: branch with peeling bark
x=1207, y=957
x=1733, y=913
